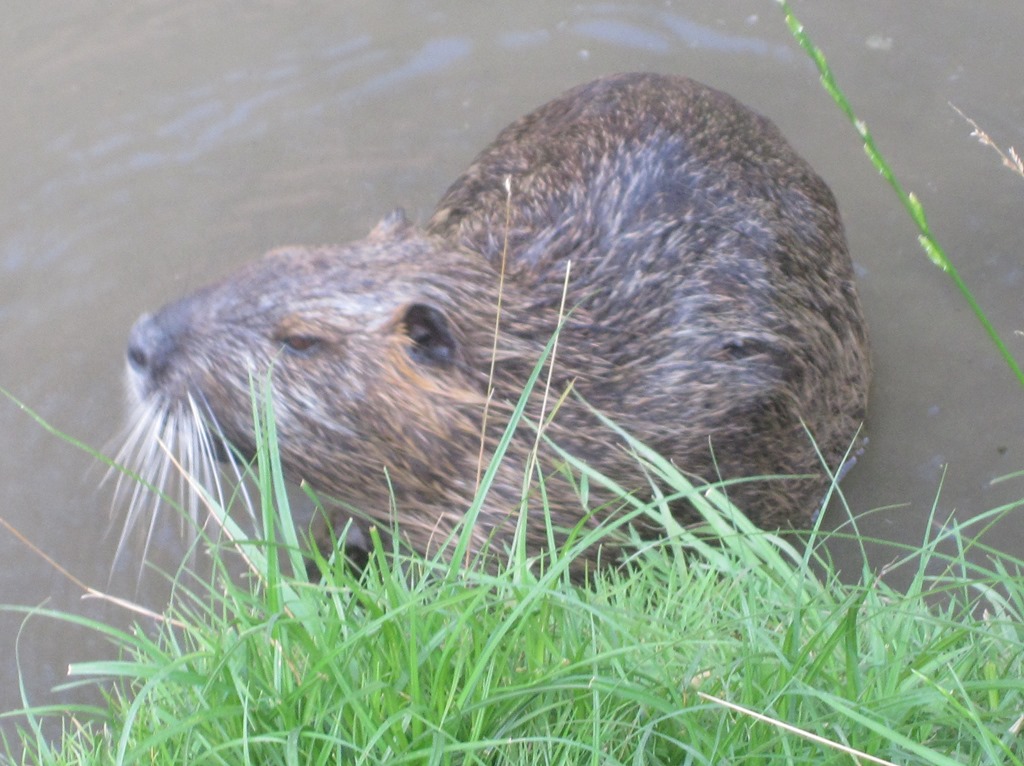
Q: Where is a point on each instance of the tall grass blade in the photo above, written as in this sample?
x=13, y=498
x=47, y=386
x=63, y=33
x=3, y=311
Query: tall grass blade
x=909, y=200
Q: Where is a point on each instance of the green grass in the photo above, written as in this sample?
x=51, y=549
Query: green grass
x=666, y=662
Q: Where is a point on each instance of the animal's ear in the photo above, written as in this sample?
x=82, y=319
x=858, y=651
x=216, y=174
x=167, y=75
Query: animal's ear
x=390, y=225
x=431, y=335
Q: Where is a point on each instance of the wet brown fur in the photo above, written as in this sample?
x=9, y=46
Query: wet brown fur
x=713, y=315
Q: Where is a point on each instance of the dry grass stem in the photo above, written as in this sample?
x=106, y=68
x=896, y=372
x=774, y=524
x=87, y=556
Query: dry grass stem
x=1010, y=158
x=857, y=754
x=497, y=329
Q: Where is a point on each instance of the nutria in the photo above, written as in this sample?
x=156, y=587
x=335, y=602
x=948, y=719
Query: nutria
x=710, y=310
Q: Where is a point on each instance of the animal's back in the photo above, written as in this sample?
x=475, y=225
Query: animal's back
x=709, y=272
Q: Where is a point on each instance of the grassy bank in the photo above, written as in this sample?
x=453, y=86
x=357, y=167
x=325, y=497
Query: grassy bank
x=749, y=651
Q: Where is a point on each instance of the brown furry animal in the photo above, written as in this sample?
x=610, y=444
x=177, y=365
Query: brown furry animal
x=712, y=314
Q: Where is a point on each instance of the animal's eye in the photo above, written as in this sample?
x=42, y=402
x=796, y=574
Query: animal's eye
x=298, y=335
x=301, y=344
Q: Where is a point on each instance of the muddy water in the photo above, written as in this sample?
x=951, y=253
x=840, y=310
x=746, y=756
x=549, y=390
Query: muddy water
x=148, y=148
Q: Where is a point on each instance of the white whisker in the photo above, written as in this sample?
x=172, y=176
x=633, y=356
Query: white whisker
x=163, y=441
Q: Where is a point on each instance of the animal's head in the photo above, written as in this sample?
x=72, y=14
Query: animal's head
x=372, y=351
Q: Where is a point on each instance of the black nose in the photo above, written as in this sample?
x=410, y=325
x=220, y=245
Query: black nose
x=154, y=340
x=149, y=347
x=140, y=342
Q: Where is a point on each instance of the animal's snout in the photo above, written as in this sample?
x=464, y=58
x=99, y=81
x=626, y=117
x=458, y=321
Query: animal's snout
x=150, y=347
x=141, y=342
x=153, y=343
